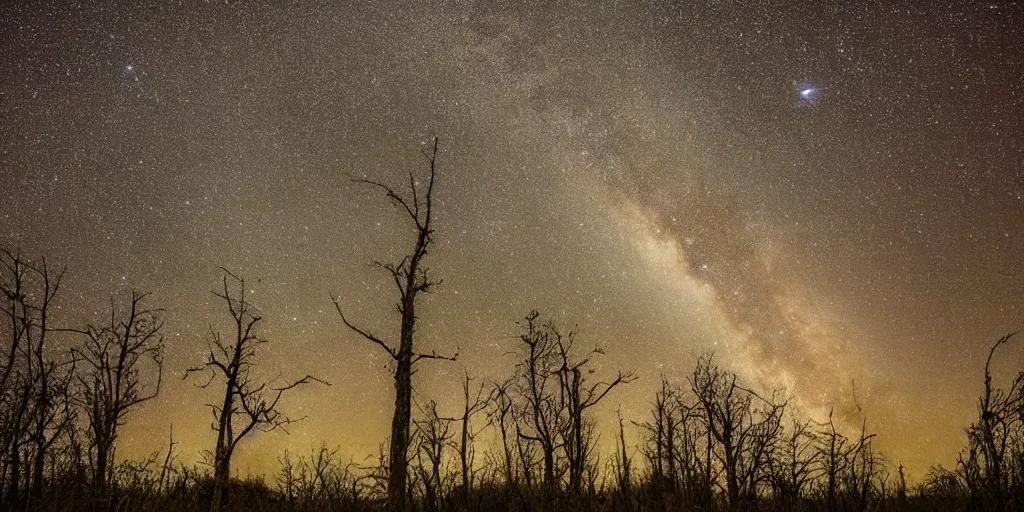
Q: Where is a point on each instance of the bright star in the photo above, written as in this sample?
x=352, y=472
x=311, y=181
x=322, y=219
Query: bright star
x=807, y=94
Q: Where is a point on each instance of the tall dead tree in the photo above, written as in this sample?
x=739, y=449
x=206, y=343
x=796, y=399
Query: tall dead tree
x=622, y=464
x=797, y=463
x=865, y=471
x=411, y=278
x=834, y=452
x=661, y=436
x=247, y=403
x=120, y=361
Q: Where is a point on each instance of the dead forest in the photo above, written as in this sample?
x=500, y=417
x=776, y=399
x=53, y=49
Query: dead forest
x=710, y=441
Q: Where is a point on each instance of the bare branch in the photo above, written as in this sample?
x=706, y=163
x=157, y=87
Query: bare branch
x=370, y=337
x=434, y=355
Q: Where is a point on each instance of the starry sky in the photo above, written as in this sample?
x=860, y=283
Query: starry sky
x=830, y=197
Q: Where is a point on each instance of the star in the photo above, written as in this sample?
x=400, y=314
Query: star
x=807, y=94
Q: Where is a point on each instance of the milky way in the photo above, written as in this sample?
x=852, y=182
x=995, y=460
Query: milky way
x=829, y=198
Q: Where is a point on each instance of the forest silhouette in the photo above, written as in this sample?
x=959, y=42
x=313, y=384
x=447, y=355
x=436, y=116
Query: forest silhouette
x=710, y=442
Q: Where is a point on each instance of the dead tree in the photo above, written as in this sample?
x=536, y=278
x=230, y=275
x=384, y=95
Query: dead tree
x=553, y=394
x=472, y=404
x=33, y=386
x=865, y=465
x=433, y=434
x=678, y=447
x=247, y=403
x=578, y=395
x=122, y=368
x=744, y=425
x=622, y=463
x=540, y=414
x=661, y=432
x=834, y=451
x=287, y=477
x=53, y=413
x=797, y=463
x=166, y=468
x=411, y=278
x=992, y=466
x=501, y=416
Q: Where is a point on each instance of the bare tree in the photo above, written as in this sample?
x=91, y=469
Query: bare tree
x=800, y=460
x=679, y=447
x=553, y=393
x=288, y=477
x=53, y=414
x=989, y=465
x=34, y=388
x=411, y=278
x=797, y=462
x=745, y=427
x=433, y=434
x=662, y=436
x=116, y=360
x=502, y=417
x=540, y=415
x=578, y=396
x=865, y=477
x=247, y=403
x=472, y=404
x=167, y=467
x=622, y=463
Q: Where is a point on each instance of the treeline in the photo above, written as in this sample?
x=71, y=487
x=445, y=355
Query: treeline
x=709, y=443
x=65, y=392
x=526, y=440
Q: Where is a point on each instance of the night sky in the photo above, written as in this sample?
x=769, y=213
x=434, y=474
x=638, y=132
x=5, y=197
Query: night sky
x=831, y=198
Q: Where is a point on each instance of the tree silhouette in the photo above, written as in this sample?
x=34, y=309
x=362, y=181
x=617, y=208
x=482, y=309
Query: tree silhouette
x=540, y=414
x=797, y=463
x=472, y=404
x=115, y=358
x=996, y=440
x=247, y=403
x=502, y=416
x=553, y=393
x=433, y=435
x=35, y=408
x=411, y=278
x=746, y=427
x=579, y=395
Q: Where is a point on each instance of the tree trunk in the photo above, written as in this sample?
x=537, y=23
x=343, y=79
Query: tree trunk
x=14, y=492
x=398, y=474
x=37, y=471
x=464, y=448
x=99, y=477
x=549, y=468
x=221, y=480
x=510, y=478
x=222, y=453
